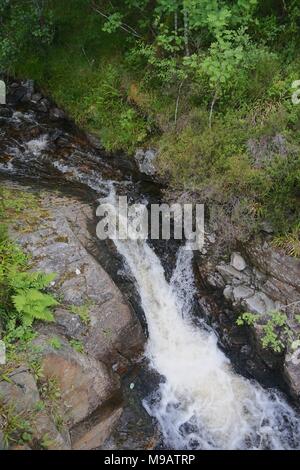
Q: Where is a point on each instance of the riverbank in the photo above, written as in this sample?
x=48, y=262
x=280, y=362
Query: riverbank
x=130, y=93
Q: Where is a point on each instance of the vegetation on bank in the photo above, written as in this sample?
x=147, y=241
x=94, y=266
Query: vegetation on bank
x=209, y=82
x=278, y=332
x=22, y=301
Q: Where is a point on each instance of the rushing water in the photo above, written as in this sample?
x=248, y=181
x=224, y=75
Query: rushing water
x=201, y=402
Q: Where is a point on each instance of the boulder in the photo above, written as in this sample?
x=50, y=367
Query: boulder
x=45, y=431
x=145, y=160
x=5, y=112
x=232, y=275
x=43, y=105
x=84, y=382
x=274, y=263
x=216, y=280
x=292, y=372
x=241, y=293
x=21, y=392
x=56, y=114
x=259, y=303
x=228, y=293
x=238, y=262
x=94, y=432
x=36, y=97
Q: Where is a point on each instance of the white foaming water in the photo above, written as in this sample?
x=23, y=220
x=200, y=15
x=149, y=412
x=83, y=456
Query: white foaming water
x=201, y=403
x=37, y=146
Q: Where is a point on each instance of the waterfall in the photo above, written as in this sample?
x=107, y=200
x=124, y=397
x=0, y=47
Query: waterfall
x=201, y=402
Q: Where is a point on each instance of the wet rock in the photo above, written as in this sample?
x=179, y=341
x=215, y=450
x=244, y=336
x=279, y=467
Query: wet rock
x=16, y=95
x=43, y=105
x=5, y=112
x=145, y=160
x=237, y=261
x=29, y=85
x=55, y=114
x=36, y=97
x=114, y=334
x=292, y=371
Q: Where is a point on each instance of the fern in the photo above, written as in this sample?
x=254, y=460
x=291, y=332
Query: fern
x=28, y=280
x=27, y=297
x=32, y=305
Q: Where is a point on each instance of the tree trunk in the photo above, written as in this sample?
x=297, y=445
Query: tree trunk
x=186, y=32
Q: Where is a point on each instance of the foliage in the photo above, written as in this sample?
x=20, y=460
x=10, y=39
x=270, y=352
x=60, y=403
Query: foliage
x=276, y=331
x=200, y=80
x=25, y=25
x=50, y=392
x=55, y=343
x=25, y=297
x=289, y=242
x=22, y=296
x=15, y=427
x=83, y=311
x=246, y=319
x=271, y=336
x=77, y=345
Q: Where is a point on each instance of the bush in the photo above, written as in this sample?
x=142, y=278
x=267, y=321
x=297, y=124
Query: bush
x=25, y=25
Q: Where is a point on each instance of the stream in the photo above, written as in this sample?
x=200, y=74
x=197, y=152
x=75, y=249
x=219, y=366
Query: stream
x=201, y=402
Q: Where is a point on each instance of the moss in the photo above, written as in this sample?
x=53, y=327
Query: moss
x=62, y=239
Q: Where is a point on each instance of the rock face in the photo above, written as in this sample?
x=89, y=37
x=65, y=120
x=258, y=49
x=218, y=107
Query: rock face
x=292, y=371
x=110, y=332
x=85, y=383
x=92, y=315
x=259, y=281
x=20, y=394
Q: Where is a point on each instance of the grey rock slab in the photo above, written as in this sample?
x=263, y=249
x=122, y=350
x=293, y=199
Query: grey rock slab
x=241, y=293
x=259, y=303
x=237, y=261
x=232, y=275
x=292, y=371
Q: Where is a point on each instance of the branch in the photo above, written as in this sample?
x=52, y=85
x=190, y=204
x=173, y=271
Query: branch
x=125, y=27
x=177, y=102
x=186, y=32
x=212, y=107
